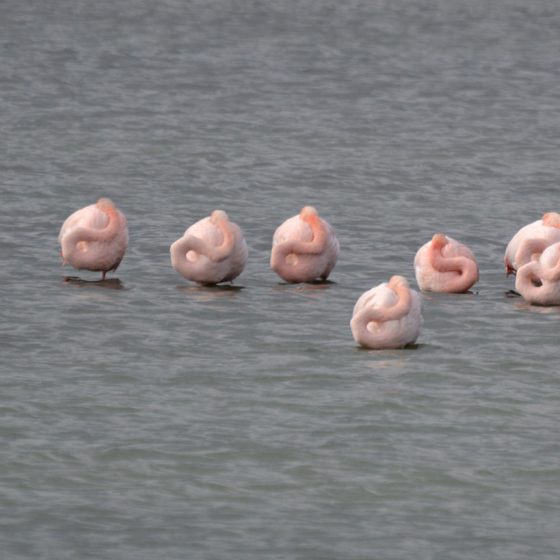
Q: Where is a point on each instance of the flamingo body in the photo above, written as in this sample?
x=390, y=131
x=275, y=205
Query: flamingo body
x=387, y=316
x=94, y=237
x=445, y=265
x=538, y=281
x=211, y=251
x=304, y=248
x=531, y=239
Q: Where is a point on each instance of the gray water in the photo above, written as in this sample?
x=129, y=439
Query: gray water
x=145, y=417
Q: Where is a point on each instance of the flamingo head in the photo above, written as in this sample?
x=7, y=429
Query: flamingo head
x=308, y=212
x=439, y=241
x=309, y=215
x=218, y=216
x=551, y=219
x=396, y=282
x=105, y=204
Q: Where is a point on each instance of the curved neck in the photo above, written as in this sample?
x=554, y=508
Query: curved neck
x=466, y=270
x=529, y=283
x=216, y=253
x=529, y=247
x=551, y=273
x=551, y=219
x=87, y=234
x=391, y=313
x=314, y=247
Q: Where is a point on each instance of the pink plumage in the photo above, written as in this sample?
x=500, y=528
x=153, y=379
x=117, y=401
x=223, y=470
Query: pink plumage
x=387, y=316
x=94, y=237
x=211, y=251
x=445, y=265
x=538, y=281
x=304, y=248
x=532, y=239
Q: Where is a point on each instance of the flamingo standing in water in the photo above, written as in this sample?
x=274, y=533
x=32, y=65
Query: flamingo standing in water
x=445, y=265
x=532, y=239
x=387, y=316
x=94, y=237
x=211, y=251
x=538, y=281
x=304, y=248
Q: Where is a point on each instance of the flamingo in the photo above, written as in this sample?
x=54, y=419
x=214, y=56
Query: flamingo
x=304, y=248
x=538, y=281
x=387, y=316
x=532, y=239
x=445, y=265
x=94, y=237
x=211, y=251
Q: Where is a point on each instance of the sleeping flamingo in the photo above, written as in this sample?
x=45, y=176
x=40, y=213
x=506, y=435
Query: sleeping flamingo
x=94, y=237
x=211, y=251
x=387, y=316
x=445, y=265
x=304, y=248
x=538, y=281
x=532, y=239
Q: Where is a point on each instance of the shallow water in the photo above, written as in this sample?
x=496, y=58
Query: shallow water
x=145, y=416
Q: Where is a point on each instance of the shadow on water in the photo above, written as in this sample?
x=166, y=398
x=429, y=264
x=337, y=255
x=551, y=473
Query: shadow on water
x=521, y=305
x=428, y=296
x=211, y=293
x=538, y=309
x=395, y=351
x=389, y=360
x=512, y=294
x=308, y=288
x=108, y=283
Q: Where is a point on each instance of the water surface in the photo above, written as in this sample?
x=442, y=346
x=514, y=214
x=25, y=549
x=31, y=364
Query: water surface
x=146, y=417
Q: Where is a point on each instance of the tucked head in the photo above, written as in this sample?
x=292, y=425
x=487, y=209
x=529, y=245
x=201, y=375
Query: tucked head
x=105, y=204
x=308, y=212
x=551, y=219
x=218, y=216
x=439, y=241
x=396, y=282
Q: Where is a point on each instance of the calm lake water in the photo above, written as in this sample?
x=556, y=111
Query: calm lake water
x=149, y=418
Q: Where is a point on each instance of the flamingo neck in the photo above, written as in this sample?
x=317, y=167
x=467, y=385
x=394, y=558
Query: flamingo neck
x=314, y=247
x=552, y=273
x=537, y=285
x=391, y=313
x=551, y=219
x=529, y=247
x=84, y=234
x=466, y=270
x=215, y=253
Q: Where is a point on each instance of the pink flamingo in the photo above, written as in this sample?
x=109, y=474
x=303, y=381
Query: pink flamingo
x=445, y=265
x=532, y=239
x=304, y=248
x=211, y=251
x=538, y=281
x=387, y=316
x=94, y=237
